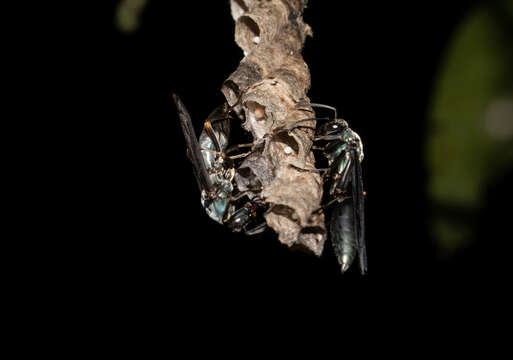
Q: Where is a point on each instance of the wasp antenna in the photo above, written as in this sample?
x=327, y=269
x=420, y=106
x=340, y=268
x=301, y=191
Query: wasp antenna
x=319, y=106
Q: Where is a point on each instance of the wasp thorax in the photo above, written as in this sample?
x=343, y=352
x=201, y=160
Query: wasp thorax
x=353, y=138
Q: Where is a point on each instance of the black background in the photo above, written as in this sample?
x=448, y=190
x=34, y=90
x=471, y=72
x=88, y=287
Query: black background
x=149, y=238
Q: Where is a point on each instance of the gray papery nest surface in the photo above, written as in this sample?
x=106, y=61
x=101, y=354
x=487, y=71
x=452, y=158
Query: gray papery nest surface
x=272, y=78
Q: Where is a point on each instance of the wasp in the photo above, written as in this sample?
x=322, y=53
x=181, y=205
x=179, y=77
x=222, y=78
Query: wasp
x=214, y=170
x=344, y=150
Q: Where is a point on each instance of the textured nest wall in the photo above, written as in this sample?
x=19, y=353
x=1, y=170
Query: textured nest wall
x=272, y=78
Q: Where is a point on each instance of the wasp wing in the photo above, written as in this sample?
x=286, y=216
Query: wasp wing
x=193, y=148
x=358, y=208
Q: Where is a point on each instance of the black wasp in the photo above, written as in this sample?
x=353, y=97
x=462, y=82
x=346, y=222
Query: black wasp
x=344, y=151
x=215, y=171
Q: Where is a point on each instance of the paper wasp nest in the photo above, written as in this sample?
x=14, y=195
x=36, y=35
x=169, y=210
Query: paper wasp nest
x=273, y=78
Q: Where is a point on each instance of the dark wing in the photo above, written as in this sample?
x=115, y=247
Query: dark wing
x=193, y=148
x=358, y=208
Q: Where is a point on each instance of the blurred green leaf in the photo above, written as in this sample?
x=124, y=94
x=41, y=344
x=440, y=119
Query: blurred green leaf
x=471, y=126
x=128, y=15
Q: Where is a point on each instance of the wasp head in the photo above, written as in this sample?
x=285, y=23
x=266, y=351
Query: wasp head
x=333, y=127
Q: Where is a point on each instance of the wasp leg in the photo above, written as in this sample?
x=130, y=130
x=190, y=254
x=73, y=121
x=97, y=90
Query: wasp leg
x=339, y=199
x=244, y=193
x=257, y=229
x=233, y=157
x=341, y=177
x=239, y=195
x=295, y=123
x=236, y=147
x=323, y=137
x=309, y=170
x=325, y=171
x=285, y=211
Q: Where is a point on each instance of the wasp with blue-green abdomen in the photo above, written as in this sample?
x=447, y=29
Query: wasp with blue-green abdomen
x=215, y=171
x=344, y=150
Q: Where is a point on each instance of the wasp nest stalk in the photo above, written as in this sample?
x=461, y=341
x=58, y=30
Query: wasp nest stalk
x=273, y=78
